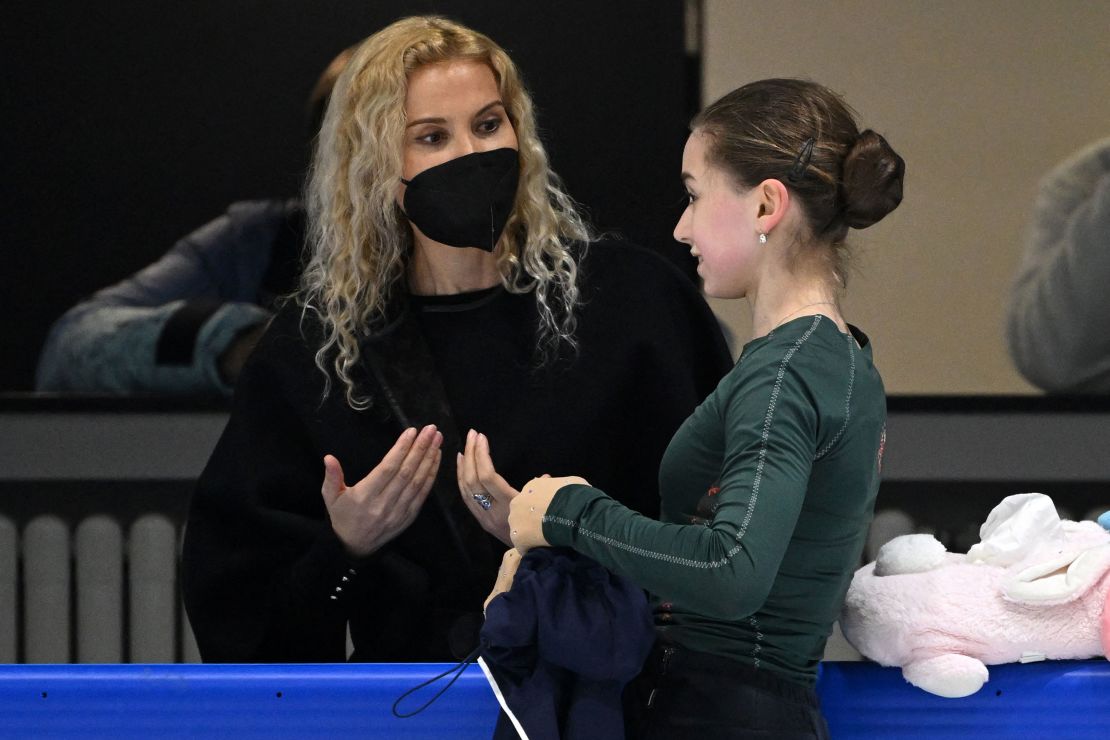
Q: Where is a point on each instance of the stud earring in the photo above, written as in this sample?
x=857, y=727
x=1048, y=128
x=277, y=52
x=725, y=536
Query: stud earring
x=762, y=238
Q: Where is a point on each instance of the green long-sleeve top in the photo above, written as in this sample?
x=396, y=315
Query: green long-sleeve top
x=791, y=440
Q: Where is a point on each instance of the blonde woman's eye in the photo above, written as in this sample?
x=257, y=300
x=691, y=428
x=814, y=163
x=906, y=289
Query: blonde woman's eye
x=433, y=138
x=490, y=125
x=690, y=197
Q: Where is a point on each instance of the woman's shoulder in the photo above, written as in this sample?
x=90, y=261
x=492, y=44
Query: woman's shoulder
x=627, y=277
x=295, y=324
x=281, y=371
x=810, y=353
x=631, y=295
x=290, y=341
x=810, y=370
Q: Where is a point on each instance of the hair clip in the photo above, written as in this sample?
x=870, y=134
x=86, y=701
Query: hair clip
x=798, y=170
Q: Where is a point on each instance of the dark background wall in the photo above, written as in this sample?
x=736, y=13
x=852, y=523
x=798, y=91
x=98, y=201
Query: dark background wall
x=127, y=124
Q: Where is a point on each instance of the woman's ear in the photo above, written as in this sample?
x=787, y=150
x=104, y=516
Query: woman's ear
x=773, y=200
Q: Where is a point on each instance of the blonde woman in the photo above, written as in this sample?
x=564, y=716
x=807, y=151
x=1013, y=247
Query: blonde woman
x=451, y=286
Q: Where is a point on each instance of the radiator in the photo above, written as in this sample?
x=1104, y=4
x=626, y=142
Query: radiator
x=89, y=592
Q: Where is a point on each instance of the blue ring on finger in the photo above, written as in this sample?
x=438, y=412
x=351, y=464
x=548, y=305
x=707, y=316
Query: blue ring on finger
x=483, y=501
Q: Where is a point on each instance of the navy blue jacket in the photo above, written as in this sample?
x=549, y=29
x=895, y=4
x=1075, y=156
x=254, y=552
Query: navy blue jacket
x=560, y=646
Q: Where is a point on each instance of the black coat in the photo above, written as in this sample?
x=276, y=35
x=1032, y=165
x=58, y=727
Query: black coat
x=261, y=562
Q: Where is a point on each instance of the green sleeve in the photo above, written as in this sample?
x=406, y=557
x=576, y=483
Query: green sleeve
x=725, y=568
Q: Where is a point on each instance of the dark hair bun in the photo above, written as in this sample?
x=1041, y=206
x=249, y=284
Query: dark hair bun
x=872, y=181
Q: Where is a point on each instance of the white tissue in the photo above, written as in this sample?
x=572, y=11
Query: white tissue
x=1014, y=527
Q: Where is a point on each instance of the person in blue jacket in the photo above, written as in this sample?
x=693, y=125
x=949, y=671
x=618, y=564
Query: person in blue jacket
x=185, y=324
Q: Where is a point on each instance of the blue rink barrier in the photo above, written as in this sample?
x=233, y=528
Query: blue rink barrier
x=1060, y=699
x=1052, y=700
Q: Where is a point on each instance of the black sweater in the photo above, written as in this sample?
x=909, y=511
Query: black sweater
x=261, y=562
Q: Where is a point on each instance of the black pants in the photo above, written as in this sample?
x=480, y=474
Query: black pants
x=685, y=694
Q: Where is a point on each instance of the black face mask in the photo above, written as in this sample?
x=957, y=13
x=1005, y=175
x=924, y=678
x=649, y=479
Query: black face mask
x=467, y=201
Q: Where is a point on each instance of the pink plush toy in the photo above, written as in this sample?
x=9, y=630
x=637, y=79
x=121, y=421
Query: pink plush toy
x=1034, y=588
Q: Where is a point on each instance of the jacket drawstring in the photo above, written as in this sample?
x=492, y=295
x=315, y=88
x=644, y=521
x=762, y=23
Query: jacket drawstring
x=456, y=669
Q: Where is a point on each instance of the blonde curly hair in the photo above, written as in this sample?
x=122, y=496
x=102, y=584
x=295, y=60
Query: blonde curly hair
x=360, y=240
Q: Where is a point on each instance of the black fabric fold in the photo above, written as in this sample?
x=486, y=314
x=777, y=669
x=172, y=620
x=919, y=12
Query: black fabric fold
x=178, y=340
x=404, y=370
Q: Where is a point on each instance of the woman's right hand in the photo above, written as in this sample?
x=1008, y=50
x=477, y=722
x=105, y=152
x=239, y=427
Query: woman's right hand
x=379, y=507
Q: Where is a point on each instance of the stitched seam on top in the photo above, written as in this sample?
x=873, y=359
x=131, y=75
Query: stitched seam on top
x=847, y=401
x=757, y=648
x=674, y=559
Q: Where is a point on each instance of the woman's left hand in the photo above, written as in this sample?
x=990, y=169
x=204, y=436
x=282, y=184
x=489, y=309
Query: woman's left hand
x=526, y=512
x=485, y=493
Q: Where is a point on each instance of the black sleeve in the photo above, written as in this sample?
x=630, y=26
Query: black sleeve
x=261, y=563
x=676, y=352
x=692, y=335
x=682, y=364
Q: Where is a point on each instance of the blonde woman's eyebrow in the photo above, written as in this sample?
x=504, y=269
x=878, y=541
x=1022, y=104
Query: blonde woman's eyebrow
x=441, y=120
x=488, y=106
